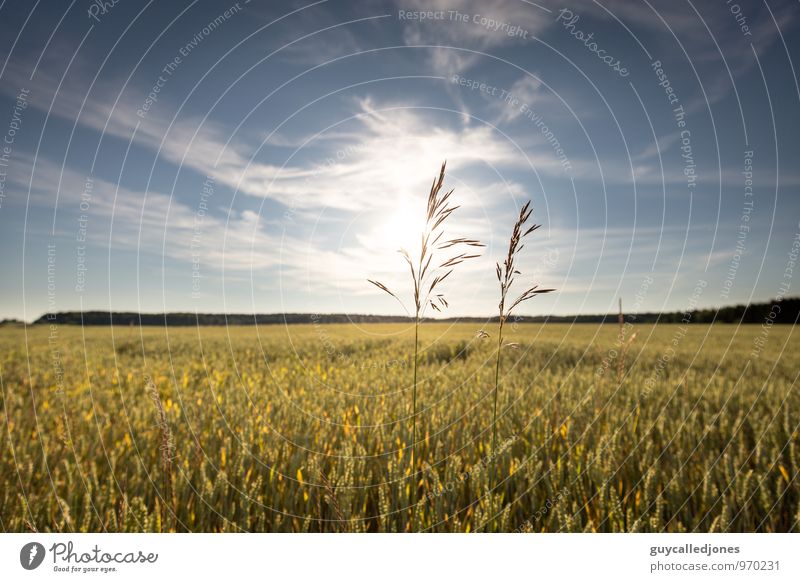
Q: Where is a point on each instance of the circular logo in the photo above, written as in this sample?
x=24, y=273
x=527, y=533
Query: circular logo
x=31, y=555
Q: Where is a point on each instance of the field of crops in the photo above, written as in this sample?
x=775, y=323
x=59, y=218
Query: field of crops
x=307, y=428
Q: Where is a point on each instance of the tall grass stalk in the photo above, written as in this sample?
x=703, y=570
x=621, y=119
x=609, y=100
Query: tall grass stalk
x=623, y=343
x=427, y=275
x=621, y=340
x=506, y=275
x=166, y=456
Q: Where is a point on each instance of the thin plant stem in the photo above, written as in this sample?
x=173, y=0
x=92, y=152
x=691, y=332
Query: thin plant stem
x=417, y=294
x=621, y=342
x=427, y=276
x=494, y=412
x=414, y=422
x=505, y=277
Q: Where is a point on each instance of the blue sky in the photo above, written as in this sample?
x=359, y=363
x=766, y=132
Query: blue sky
x=211, y=156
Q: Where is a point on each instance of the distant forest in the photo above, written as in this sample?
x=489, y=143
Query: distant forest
x=785, y=311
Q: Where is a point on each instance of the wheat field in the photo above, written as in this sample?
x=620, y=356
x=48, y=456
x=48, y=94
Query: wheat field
x=307, y=428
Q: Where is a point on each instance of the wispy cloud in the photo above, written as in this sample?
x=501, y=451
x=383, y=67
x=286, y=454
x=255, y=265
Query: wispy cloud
x=483, y=25
x=152, y=223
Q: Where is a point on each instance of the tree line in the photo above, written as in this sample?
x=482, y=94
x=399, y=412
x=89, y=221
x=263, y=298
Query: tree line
x=785, y=311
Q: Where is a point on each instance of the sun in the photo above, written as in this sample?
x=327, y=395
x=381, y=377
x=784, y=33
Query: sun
x=402, y=230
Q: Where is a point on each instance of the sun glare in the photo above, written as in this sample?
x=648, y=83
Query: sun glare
x=402, y=230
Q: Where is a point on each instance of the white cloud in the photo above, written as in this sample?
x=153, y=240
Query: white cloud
x=475, y=34
x=529, y=92
x=154, y=223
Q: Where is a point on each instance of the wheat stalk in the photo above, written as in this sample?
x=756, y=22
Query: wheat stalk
x=506, y=275
x=333, y=501
x=427, y=274
x=166, y=450
x=624, y=345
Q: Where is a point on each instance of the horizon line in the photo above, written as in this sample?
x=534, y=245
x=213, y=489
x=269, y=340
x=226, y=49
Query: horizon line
x=47, y=314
